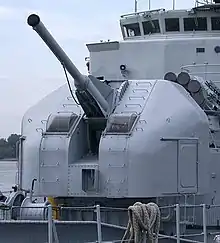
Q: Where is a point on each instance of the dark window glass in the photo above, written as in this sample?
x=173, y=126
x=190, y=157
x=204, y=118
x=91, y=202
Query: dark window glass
x=133, y=29
x=61, y=122
x=172, y=24
x=151, y=27
x=215, y=23
x=200, y=50
x=120, y=123
x=89, y=180
x=197, y=24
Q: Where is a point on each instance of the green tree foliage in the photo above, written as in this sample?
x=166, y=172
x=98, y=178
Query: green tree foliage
x=8, y=147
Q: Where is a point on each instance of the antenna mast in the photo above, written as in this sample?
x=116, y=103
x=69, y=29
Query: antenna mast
x=135, y=5
x=174, y=3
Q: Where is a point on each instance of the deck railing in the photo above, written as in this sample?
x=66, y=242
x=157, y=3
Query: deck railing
x=204, y=215
x=202, y=2
x=206, y=71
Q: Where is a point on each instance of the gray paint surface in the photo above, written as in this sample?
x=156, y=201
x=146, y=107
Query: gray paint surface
x=135, y=137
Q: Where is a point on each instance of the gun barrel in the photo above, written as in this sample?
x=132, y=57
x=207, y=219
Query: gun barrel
x=81, y=81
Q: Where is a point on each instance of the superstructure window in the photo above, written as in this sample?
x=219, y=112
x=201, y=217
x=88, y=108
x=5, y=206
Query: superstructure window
x=215, y=23
x=132, y=29
x=172, y=24
x=151, y=27
x=200, y=50
x=195, y=24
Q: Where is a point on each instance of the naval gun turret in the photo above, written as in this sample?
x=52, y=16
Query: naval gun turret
x=87, y=87
x=149, y=132
x=154, y=134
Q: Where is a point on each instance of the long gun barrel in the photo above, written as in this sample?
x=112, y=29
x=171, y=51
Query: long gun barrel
x=81, y=81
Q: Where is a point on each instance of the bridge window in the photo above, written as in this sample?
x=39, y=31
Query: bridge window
x=172, y=24
x=132, y=29
x=195, y=24
x=215, y=23
x=151, y=27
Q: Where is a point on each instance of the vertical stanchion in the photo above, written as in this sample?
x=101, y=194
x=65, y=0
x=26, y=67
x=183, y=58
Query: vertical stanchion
x=50, y=224
x=98, y=219
x=204, y=222
x=174, y=4
x=135, y=6
x=55, y=232
x=144, y=240
x=177, y=223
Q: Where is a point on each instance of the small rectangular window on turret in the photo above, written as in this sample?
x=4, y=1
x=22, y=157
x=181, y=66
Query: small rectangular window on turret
x=215, y=23
x=172, y=24
x=120, y=123
x=195, y=24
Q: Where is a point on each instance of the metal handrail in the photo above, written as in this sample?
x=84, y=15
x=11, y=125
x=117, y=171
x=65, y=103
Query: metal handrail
x=201, y=65
x=177, y=209
x=202, y=2
x=142, y=12
x=204, y=69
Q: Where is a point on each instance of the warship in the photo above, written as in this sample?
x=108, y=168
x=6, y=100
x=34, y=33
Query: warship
x=131, y=151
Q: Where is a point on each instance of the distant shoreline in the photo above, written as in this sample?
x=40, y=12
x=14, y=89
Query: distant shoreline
x=8, y=159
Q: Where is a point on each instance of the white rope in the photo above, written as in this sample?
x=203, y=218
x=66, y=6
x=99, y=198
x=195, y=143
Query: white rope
x=144, y=220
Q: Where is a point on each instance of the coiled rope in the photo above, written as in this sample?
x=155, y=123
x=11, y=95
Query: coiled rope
x=144, y=220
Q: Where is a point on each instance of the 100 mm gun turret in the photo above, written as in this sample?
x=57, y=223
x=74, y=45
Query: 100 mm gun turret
x=124, y=134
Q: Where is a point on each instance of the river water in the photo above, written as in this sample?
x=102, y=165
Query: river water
x=8, y=171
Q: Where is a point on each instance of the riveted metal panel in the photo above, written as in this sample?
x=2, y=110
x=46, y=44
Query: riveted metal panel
x=135, y=97
x=188, y=166
x=53, y=165
x=116, y=168
x=75, y=187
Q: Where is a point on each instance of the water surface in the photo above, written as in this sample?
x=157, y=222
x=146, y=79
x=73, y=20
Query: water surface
x=8, y=171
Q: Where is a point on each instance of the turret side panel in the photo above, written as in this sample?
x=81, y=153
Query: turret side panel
x=171, y=133
x=154, y=153
x=53, y=165
x=34, y=124
x=115, y=143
